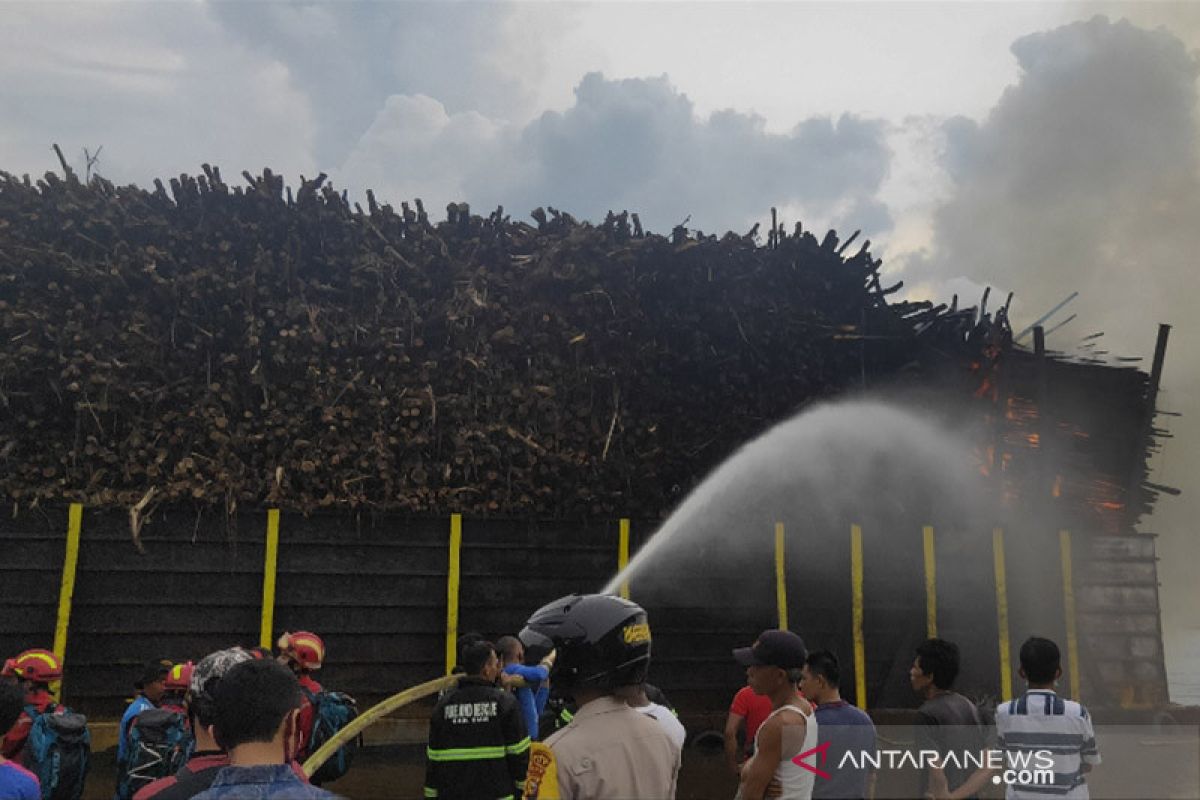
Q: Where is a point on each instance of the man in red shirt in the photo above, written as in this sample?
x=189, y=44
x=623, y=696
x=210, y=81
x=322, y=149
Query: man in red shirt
x=34, y=670
x=752, y=709
x=304, y=653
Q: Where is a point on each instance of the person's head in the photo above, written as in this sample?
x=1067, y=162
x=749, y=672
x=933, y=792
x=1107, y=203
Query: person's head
x=774, y=662
x=302, y=651
x=205, y=677
x=1041, y=663
x=152, y=681
x=511, y=650
x=12, y=701
x=256, y=702
x=178, y=680
x=479, y=660
x=602, y=643
x=820, y=676
x=935, y=666
x=464, y=641
x=34, y=669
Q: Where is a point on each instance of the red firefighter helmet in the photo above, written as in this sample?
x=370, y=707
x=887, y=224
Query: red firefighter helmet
x=179, y=678
x=40, y=666
x=303, y=647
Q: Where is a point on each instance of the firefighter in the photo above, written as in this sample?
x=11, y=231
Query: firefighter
x=175, y=687
x=34, y=670
x=304, y=653
x=478, y=745
x=608, y=751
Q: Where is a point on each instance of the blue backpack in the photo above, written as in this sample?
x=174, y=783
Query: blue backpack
x=159, y=744
x=57, y=751
x=332, y=712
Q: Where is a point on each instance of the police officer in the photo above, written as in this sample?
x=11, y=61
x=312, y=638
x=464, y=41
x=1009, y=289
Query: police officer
x=608, y=751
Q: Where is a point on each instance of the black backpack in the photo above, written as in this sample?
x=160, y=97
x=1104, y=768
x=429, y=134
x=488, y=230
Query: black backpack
x=159, y=744
x=58, y=750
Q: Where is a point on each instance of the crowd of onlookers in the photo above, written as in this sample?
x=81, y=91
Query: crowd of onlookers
x=561, y=711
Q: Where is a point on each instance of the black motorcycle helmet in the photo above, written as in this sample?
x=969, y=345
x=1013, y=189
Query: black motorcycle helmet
x=603, y=641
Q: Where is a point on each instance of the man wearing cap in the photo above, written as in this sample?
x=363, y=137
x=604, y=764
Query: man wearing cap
x=787, y=739
x=150, y=688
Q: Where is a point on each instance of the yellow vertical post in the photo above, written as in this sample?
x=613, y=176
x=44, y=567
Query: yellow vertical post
x=623, y=554
x=1002, y=612
x=1064, y=543
x=270, y=564
x=856, y=583
x=780, y=579
x=930, y=584
x=66, y=590
x=452, y=581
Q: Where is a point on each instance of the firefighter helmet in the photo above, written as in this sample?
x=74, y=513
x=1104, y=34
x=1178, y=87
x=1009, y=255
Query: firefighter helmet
x=179, y=678
x=40, y=666
x=304, y=648
x=602, y=641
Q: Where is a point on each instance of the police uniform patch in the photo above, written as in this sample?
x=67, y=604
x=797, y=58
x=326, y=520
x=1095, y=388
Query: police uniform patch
x=541, y=782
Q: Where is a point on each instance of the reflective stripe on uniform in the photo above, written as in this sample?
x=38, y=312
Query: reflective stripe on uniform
x=431, y=792
x=518, y=748
x=465, y=753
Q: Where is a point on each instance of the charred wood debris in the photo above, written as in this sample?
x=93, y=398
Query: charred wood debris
x=223, y=345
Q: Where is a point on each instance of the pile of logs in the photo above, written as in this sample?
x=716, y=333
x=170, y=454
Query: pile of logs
x=222, y=345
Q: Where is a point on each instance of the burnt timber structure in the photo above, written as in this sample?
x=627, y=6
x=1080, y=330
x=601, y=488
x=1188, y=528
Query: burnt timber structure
x=179, y=359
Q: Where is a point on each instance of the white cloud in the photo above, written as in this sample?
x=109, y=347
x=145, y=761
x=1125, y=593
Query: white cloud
x=158, y=86
x=415, y=148
x=634, y=144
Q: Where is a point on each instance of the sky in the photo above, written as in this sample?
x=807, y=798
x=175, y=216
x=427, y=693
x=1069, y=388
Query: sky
x=1039, y=148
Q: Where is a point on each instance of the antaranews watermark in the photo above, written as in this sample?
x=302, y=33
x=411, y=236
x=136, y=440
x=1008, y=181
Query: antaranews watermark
x=1015, y=768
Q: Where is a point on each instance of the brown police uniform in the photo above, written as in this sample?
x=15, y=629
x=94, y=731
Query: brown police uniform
x=611, y=752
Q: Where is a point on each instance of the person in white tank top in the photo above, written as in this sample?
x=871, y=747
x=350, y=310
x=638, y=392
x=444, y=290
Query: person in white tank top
x=773, y=667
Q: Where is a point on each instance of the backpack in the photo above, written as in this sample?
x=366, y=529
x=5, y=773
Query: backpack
x=332, y=711
x=159, y=744
x=57, y=751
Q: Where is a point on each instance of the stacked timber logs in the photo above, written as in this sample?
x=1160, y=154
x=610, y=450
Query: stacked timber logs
x=221, y=345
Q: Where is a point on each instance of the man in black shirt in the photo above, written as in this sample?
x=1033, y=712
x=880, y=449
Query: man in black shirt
x=478, y=746
x=947, y=722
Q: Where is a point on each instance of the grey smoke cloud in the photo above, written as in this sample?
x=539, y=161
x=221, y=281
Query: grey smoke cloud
x=633, y=144
x=1085, y=177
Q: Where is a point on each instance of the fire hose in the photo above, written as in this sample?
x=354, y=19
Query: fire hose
x=378, y=712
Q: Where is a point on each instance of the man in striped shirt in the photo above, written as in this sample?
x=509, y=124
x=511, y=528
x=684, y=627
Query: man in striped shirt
x=1041, y=721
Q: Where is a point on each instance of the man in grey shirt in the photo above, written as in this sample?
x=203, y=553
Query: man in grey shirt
x=946, y=722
